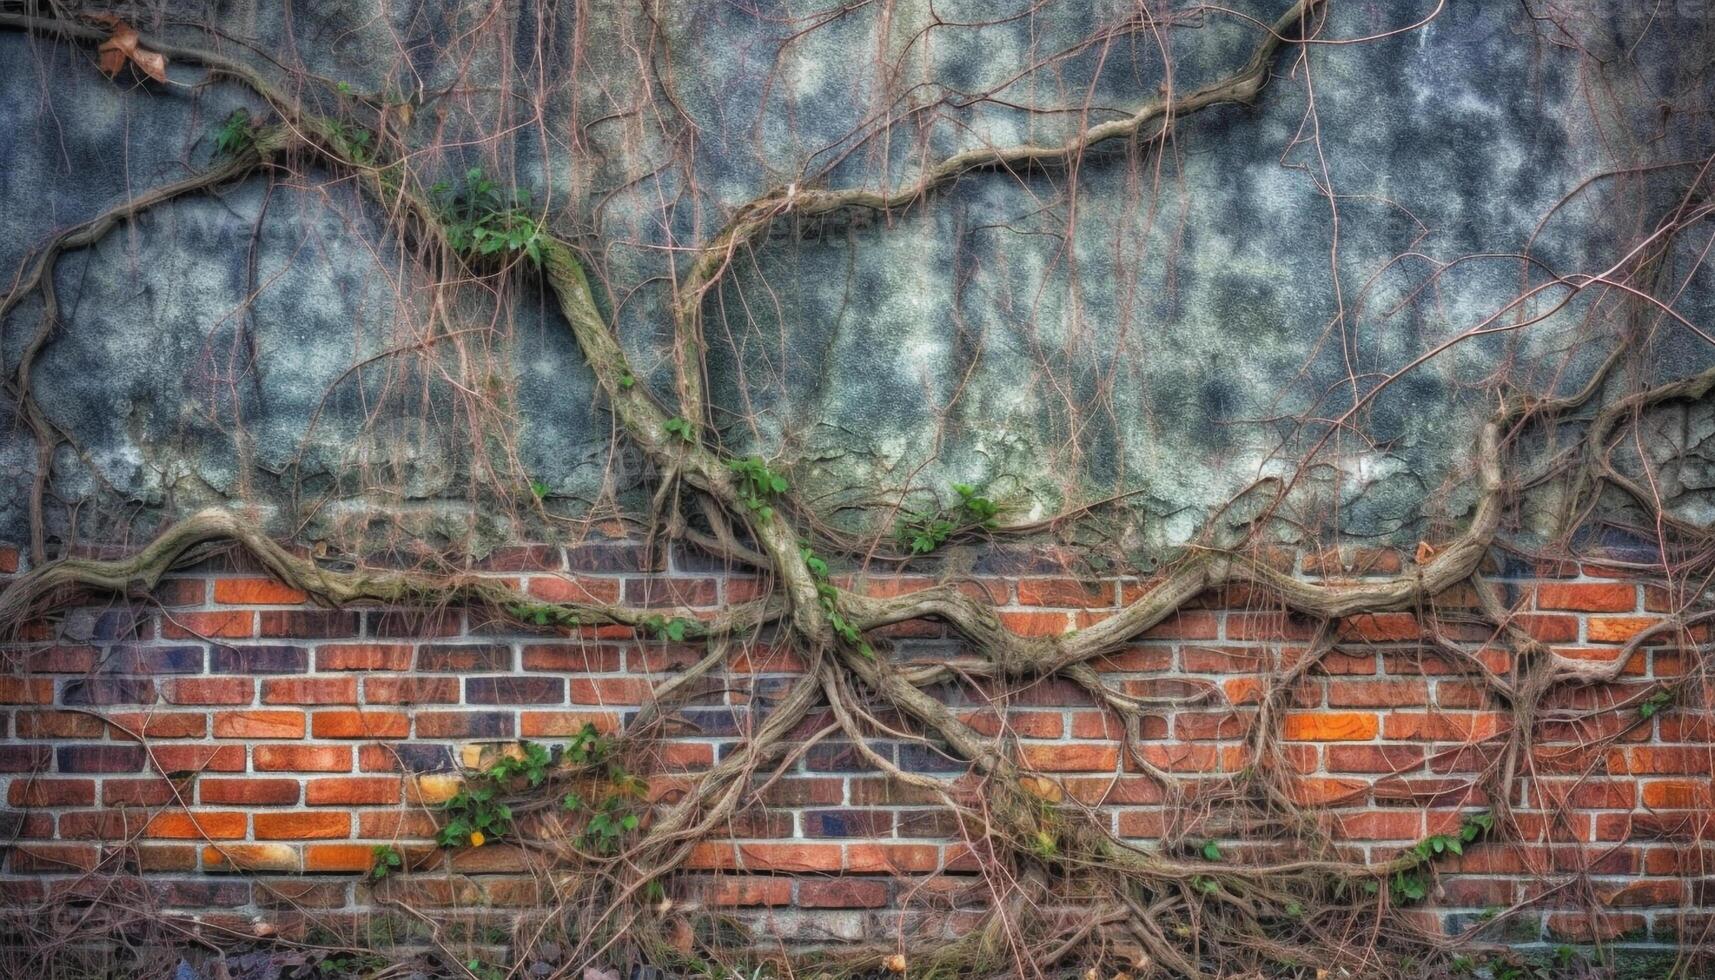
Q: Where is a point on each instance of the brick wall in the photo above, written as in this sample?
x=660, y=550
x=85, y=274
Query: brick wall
x=225, y=725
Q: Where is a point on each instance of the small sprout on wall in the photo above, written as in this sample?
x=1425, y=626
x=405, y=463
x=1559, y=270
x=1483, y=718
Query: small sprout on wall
x=671, y=630
x=679, y=427
x=483, y=222
x=1654, y=704
x=757, y=485
x=922, y=532
x=236, y=134
x=385, y=860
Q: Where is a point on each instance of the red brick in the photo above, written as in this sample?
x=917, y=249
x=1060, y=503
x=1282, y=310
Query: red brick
x=26, y=690
x=1446, y=726
x=302, y=758
x=1071, y=756
x=611, y=690
x=251, y=791
x=59, y=724
x=1376, y=693
x=411, y=689
x=1065, y=592
x=777, y=857
x=552, y=724
x=171, y=759
x=1035, y=623
x=227, y=624
x=583, y=658
x=1587, y=596
x=41, y=791
x=256, y=592
x=363, y=656
x=1548, y=628
x=259, y=724
x=1618, y=629
x=360, y=724
x=305, y=623
x=210, y=690
x=597, y=591
x=739, y=892
x=303, y=825
x=1381, y=628
x=871, y=858
x=198, y=825
x=1186, y=624
x=850, y=893
x=309, y=690
x=144, y=792
x=353, y=791
x=339, y=857
x=128, y=725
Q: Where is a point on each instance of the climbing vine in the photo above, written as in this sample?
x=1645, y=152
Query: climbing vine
x=1186, y=910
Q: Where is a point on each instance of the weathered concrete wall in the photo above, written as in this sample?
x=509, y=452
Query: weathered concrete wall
x=1142, y=329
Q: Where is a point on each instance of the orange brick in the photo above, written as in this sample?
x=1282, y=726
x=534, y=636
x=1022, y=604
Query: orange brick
x=302, y=758
x=360, y=724
x=1329, y=726
x=1066, y=592
x=551, y=724
x=256, y=592
x=1071, y=756
x=259, y=724
x=891, y=858
x=227, y=624
x=353, y=791
x=251, y=857
x=197, y=825
x=1619, y=629
x=1587, y=596
x=250, y=791
x=338, y=857
x=729, y=856
x=1035, y=623
x=303, y=825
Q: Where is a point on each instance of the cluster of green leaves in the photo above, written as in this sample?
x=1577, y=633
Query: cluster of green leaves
x=757, y=485
x=477, y=814
x=1654, y=704
x=671, y=630
x=613, y=811
x=1412, y=884
x=344, y=964
x=1562, y=961
x=385, y=860
x=483, y=220
x=351, y=141
x=236, y=134
x=542, y=614
x=921, y=532
x=677, y=426
x=829, y=597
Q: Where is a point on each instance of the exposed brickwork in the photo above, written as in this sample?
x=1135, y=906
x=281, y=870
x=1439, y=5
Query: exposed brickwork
x=231, y=726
